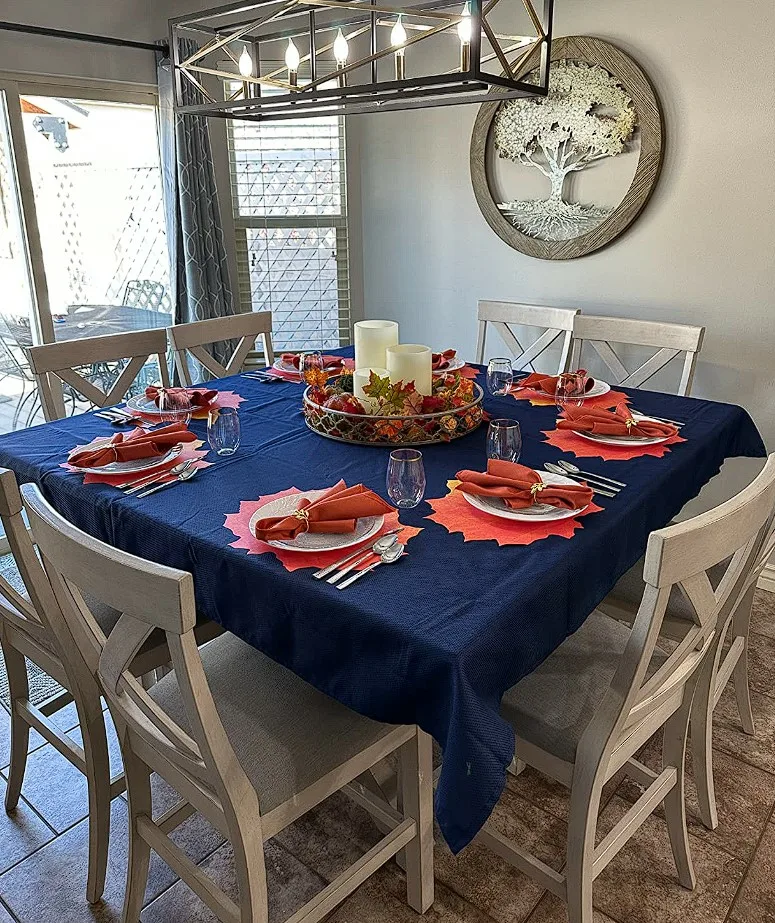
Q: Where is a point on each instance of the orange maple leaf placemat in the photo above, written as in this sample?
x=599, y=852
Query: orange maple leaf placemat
x=568, y=441
x=456, y=514
x=239, y=524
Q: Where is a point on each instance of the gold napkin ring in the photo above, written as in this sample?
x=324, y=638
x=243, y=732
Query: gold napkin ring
x=303, y=516
x=629, y=424
x=536, y=489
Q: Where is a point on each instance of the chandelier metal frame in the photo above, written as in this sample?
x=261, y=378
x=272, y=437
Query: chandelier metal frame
x=276, y=93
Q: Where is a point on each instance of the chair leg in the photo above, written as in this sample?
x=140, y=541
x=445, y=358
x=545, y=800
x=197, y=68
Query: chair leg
x=417, y=798
x=702, y=742
x=138, y=786
x=741, y=624
x=582, y=824
x=18, y=688
x=95, y=747
x=674, y=754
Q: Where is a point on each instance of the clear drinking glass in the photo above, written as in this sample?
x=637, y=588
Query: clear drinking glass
x=175, y=405
x=571, y=389
x=223, y=430
x=504, y=440
x=499, y=376
x=405, y=478
x=311, y=368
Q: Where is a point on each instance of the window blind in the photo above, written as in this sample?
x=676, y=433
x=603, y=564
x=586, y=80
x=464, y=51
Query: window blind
x=289, y=196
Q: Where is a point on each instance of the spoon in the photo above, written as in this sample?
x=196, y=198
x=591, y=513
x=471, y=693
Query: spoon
x=382, y=544
x=183, y=476
x=597, y=489
x=147, y=479
x=572, y=469
x=389, y=556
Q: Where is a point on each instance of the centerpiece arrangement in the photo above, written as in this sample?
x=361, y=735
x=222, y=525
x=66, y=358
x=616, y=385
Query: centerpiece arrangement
x=393, y=396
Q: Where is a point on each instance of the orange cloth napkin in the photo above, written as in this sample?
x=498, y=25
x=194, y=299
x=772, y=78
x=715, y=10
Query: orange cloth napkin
x=198, y=397
x=617, y=422
x=516, y=485
x=441, y=361
x=330, y=363
x=535, y=381
x=137, y=444
x=336, y=511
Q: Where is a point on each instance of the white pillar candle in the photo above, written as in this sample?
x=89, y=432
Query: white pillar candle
x=361, y=379
x=411, y=362
x=372, y=337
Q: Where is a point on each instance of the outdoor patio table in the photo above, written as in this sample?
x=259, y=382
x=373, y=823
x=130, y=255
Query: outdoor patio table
x=435, y=639
x=94, y=320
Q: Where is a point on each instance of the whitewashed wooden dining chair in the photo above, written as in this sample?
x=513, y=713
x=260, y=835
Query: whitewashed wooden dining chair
x=670, y=341
x=242, y=739
x=29, y=629
x=192, y=339
x=66, y=361
x=728, y=659
x=583, y=714
x=556, y=323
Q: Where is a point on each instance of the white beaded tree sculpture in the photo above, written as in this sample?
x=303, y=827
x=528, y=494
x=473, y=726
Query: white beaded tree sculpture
x=586, y=117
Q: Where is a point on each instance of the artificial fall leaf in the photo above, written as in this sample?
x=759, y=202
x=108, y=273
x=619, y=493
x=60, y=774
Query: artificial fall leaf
x=392, y=398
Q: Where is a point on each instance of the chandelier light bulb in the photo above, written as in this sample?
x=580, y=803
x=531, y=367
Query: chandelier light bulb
x=292, y=57
x=245, y=63
x=341, y=49
x=464, y=26
x=398, y=35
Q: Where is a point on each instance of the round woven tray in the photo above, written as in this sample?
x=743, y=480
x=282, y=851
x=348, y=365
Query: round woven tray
x=417, y=429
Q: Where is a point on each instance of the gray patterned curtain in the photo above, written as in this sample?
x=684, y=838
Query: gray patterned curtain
x=199, y=271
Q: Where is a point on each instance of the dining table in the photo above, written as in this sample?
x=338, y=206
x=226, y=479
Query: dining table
x=438, y=637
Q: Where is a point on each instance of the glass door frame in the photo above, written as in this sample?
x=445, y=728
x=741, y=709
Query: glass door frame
x=15, y=86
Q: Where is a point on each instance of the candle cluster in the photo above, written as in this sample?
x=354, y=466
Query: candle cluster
x=377, y=350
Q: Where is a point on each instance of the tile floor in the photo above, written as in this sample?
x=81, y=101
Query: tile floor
x=43, y=844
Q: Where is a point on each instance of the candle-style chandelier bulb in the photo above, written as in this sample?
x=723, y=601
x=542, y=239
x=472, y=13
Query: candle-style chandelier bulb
x=292, y=61
x=464, y=26
x=341, y=49
x=245, y=63
x=398, y=35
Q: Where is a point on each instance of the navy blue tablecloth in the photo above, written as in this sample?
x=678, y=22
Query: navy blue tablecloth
x=434, y=640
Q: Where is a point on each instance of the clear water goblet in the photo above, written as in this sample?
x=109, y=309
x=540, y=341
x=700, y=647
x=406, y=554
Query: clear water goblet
x=504, y=440
x=500, y=375
x=223, y=430
x=405, y=479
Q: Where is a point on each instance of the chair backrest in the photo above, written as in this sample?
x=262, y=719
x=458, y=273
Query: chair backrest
x=192, y=338
x=66, y=361
x=739, y=532
x=198, y=760
x=147, y=294
x=556, y=323
x=670, y=341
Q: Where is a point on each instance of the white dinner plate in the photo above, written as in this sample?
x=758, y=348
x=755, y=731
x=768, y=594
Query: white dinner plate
x=365, y=527
x=130, y=467
x=540, y=512
x=599, y=387
x=454, y=364
x=625, y=440
x=287, y=368
x=147, y=407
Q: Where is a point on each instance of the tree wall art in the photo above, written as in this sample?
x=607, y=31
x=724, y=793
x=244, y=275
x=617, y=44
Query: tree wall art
x=600, y=106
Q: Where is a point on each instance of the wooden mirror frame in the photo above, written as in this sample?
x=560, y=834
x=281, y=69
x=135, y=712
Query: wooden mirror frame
x=650, y=121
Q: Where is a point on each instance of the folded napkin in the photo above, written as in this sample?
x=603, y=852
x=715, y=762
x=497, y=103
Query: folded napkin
x=535, y=381
x=129, y=447
x=520, y=487
x=330, y=363
x=441, y=361
x=198, y=397
x=617, y=422
x=336, y=511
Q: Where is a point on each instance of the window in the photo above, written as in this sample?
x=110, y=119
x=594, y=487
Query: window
x=290, y=213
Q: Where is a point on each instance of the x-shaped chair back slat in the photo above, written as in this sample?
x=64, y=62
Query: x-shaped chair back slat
x=65, y=362
x=670, y=340
x=192, y=338
x=556, y=323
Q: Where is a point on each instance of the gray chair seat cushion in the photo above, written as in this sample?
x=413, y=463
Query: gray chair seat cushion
x=285, y=733
x=629, y=590
x=552, y=706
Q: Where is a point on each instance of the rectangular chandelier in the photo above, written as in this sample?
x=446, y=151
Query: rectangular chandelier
x=286, y=59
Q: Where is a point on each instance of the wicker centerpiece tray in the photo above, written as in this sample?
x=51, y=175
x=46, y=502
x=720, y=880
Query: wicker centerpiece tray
x=409, y=430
